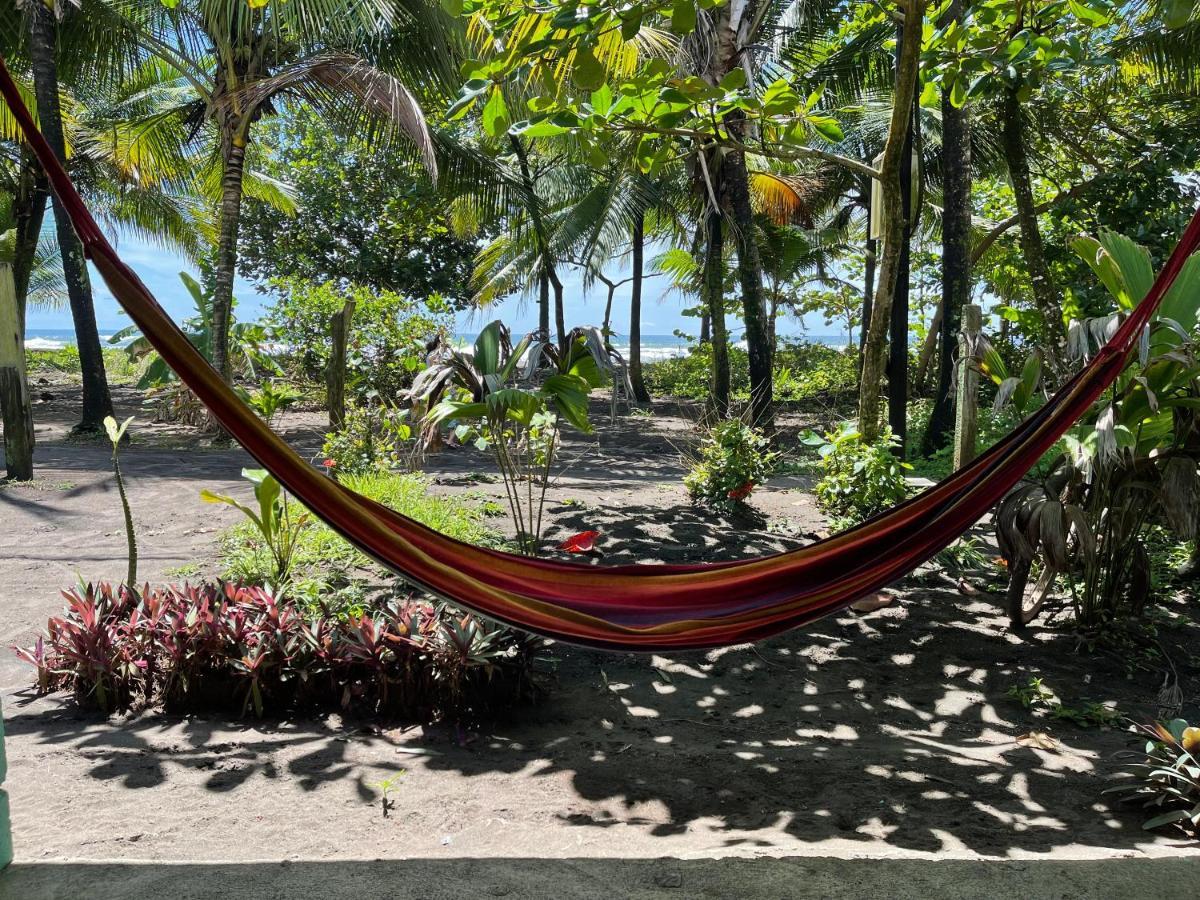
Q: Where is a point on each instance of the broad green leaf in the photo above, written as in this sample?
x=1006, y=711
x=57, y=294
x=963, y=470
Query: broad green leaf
x=827, y=127
x=734, y=80
x=1175, y=13
x=1182, y=301
x=487, y=349
x=1134, y=262
x=683, y=17
x=495, y=113
x=588, y=71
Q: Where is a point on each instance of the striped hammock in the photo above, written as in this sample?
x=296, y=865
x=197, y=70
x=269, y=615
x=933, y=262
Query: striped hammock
x=635, y=607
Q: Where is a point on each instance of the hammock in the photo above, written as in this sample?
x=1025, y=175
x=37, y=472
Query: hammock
x=634, y=607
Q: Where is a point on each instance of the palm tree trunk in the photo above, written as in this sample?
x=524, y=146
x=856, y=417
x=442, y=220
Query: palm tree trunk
x=15, y=409
x=1046, y=295
x=635, y=312
x=705, y=330
x=606, y=328
x=97, y=404
x=875, y=347
x=956, y=256
x=232, y=176
x=754, y=310
x=29, y=212
x=560, y=321
x=544, y=304
x=714, y=303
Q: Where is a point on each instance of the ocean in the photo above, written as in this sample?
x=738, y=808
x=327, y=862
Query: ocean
x=654, y=346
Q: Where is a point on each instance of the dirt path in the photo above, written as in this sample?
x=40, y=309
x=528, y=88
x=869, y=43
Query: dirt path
x=883, y=734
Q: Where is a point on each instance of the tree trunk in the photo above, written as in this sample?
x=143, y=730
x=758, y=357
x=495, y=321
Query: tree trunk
x=29, y=212
x=956, y=257
x=17, y=414
x=705, y=330
x=606, y=328
x=875, y=348
x=97, y=404
x=868, y=293
x=714, y=301
x=560, y=321
x=928, y=347
x=1046, y=295
x=635, y=312
x=754, y=310
x=544, y=304
x=226, y=263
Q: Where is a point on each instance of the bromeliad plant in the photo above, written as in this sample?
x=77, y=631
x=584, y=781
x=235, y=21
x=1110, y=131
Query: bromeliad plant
x=480, y=392
x=274, y=519
x=239, y=648
x=1130, y=464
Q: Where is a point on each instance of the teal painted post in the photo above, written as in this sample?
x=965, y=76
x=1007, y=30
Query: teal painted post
x=6, y=847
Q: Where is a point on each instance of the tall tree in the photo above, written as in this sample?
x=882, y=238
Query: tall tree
x=637, y=254
x=956, y=249
x=97, y=403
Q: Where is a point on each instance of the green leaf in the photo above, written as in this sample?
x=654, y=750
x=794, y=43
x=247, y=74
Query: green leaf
x=588, y=71
x=487, y=349
x=827, y=127
x=1176, y=13
x=683, y=17
x=454, y=7
x=495, y=113
x=734, y=80
x=1133, y=260
x=631, y=24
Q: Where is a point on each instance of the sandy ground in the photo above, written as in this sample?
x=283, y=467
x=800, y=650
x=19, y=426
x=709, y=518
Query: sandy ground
x=885, y=734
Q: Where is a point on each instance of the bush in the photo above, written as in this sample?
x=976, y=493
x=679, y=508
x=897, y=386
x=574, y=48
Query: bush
x=370, y=440
x=227, y=646
x=322, y=565
x=1165, y=776
x=803, y=371
x=733, y=460
x=65, y=362
x=388, y=336
x=858, y=479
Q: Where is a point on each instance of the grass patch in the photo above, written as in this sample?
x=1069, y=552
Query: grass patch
x=326, y=569
x=63, y=365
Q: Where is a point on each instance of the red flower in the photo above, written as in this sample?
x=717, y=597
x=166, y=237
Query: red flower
x=741, y=493
x=580, y=543
x=329, y=463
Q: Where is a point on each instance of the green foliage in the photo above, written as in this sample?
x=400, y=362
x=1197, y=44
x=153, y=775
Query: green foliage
x=478, y=392
x=388, y=336
x=274, y=520
x=327, y=571
x=803, y=371
x=63, y=363
x=370, y=440
x=271, y=398
x=733, y=460
x=365, y=214
x=1037, y=697
x=1164, y=778
x=858, y=479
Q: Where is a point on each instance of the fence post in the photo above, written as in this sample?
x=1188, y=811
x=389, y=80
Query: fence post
x=335, y=375
x=14, y=386
x=966, y=407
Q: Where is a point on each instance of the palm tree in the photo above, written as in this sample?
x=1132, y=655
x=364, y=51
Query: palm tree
x=242, y=61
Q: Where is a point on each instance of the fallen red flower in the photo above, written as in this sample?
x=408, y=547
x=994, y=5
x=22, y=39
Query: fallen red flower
x=740, y=493
x=329, y=463
x=580, y=543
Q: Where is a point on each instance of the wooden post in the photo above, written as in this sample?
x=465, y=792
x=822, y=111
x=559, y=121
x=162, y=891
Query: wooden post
x=966, y=407
x=6, y=847
x=14, y=386
x=335, y=375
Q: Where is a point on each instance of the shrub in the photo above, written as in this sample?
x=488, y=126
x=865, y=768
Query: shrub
x=369, y=440
x=227, y=646
x=858, y=479
x=1165, y=776
x=388, y=336
x=803, y=371
x=733, y=460
x=279, y=524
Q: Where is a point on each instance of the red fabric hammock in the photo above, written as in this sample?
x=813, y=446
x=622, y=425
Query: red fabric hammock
x=637, y=607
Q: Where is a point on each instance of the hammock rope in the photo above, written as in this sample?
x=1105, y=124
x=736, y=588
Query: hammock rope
x=632, y=607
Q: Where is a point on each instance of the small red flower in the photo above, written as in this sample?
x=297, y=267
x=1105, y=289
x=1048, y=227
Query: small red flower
x=742, y=492
x=329, y=463
x=580, y=543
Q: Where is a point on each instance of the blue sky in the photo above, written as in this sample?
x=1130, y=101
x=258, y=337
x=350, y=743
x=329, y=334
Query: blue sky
x=160, y=269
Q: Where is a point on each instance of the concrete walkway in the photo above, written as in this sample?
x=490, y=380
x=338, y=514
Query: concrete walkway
x=567, y=879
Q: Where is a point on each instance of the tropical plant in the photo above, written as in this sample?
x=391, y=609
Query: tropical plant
x=858, y=478
x=1164, y=777
x=278, y=525
x=388, y=341
x=733, y=459
x=116, y=434
x=519, y=425
x=369, y=440
x=237, y=648
x=1131, y=463
x=271, y=398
